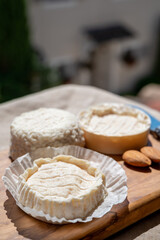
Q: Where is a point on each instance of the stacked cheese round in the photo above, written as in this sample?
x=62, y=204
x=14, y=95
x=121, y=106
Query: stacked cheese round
x=44, y=127
x=63, y=187
x=112, y=128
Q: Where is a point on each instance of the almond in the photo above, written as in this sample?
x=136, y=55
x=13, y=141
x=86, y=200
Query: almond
x=152, y=153
x=136, y=158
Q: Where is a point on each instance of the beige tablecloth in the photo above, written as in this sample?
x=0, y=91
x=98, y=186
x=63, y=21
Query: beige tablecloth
x=74, y=98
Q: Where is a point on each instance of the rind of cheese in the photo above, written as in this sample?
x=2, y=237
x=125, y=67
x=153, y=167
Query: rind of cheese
x=44, y=127
x=112, y=128
x=64, y=186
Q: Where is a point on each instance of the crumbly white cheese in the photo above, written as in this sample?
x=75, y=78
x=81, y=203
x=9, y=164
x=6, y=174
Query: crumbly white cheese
x=62, y=187
x=114, y=120
x=44, y=127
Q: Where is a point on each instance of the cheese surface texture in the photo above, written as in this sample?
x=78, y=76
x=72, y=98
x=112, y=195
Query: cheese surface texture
x=113, y=128
x=44, y=127
x=64, y=186
x=114, y=124
x=114, y=120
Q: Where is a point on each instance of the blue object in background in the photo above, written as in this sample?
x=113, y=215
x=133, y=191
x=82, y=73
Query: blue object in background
x=155, y=123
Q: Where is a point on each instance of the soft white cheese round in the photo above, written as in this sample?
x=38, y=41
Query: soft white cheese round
x=114, y=128
x=44, y=127
x=63, y=187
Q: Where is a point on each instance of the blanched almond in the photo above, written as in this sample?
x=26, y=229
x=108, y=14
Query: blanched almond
x=136, y=158
x=152, y=153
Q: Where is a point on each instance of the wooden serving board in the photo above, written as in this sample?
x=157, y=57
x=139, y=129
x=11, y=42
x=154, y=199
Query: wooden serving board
x=143, y=199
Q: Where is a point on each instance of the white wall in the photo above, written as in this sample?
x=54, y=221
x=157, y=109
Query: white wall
x=57, y=30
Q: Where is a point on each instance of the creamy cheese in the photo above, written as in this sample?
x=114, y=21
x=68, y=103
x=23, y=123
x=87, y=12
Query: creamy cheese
x=113, y=128
x=62, y=187
x=44, y=127
x=114, y=124
x=61, y=180
x=114, y=120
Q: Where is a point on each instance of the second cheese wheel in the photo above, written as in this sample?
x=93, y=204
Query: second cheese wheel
x=113, y=128
x=44, y=127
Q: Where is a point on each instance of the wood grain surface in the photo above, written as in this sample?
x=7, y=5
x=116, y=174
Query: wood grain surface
x=143, y=199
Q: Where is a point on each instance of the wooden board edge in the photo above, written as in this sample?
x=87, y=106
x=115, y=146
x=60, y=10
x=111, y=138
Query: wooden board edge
x=127, y=220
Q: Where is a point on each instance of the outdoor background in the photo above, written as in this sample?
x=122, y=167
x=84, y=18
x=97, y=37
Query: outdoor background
x=110, y=44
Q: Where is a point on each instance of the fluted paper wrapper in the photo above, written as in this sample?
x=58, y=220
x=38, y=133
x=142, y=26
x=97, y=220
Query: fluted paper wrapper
x=116, y=180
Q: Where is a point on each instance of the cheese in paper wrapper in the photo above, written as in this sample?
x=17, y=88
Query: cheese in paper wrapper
x=116, y=180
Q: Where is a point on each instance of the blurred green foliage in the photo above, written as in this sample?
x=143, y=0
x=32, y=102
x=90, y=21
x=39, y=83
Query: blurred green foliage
x=22, y=70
